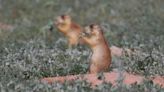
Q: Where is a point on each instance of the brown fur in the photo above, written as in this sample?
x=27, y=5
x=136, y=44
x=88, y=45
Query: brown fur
x=101, y=55
x=69, y=28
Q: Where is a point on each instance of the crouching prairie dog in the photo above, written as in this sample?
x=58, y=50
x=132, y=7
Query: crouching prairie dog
x=101, y=55
x=69, y=28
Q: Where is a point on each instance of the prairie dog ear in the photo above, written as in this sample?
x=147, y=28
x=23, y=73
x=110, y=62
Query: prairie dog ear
x=62, y=19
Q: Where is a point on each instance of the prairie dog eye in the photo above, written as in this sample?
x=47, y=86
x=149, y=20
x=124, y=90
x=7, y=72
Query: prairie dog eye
x=95, y=29
x=62, y=16
x=62, y=20
x=92, y=26
x=65, y=17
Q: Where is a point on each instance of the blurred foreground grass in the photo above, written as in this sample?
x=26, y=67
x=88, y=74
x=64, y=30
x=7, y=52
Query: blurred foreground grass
x=27, y=54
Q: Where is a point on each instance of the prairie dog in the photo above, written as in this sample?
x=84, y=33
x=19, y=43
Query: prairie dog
x=70, y=29
x=101, y=55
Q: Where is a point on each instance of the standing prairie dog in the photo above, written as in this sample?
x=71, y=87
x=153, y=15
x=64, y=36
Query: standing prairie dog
x=70, y=29
x=101, y=55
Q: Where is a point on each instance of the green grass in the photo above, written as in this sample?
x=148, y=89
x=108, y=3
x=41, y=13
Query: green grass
x=27, y=54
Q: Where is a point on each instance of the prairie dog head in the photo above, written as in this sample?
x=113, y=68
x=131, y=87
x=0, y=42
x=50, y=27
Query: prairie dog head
x=63, y=21
x=93, y=29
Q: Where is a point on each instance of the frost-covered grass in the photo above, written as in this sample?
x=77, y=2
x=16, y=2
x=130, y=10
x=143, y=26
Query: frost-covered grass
x=29, y=52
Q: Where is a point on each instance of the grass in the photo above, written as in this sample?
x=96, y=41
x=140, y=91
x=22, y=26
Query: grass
x=28, y=54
